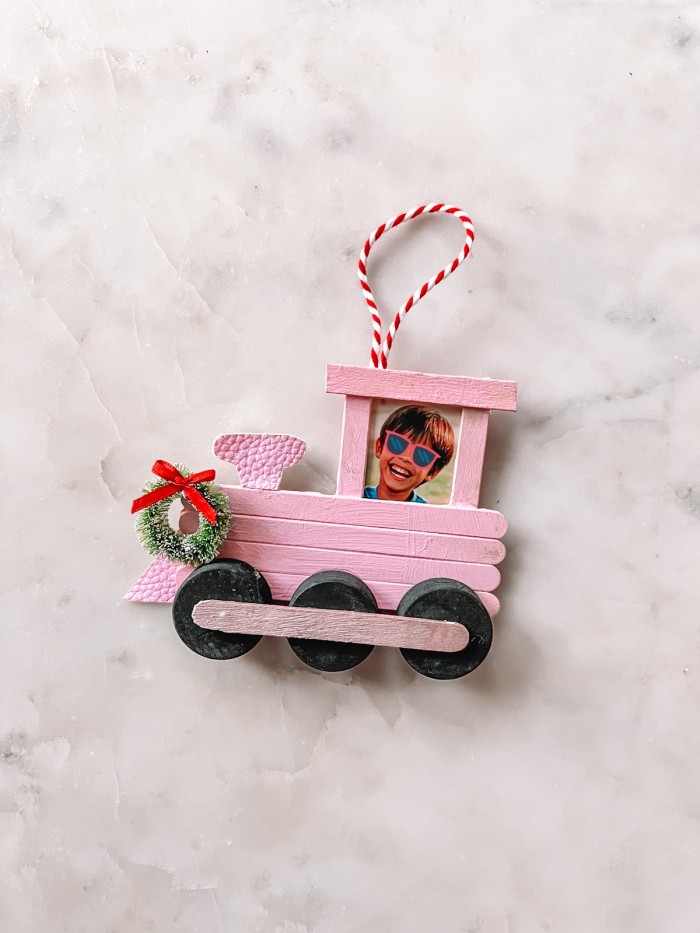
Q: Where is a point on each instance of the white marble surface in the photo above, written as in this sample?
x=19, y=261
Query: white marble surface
x=185, y=188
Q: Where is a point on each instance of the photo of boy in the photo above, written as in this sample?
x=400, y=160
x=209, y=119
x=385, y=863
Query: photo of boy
x=414, y=445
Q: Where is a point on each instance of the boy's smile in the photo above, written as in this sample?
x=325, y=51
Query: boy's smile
x=398, y=471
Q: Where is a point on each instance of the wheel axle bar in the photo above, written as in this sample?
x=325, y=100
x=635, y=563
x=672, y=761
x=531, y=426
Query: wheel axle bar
x=369, y=628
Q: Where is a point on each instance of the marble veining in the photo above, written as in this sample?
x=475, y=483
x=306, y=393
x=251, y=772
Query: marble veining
x=184, y=193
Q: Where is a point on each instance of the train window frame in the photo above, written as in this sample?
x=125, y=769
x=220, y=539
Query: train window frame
x=476, y=398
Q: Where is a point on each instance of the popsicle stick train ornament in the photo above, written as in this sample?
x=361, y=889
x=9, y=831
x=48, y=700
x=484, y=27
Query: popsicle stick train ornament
x=401, y=555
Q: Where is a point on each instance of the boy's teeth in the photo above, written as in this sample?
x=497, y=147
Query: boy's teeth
x=397, y=471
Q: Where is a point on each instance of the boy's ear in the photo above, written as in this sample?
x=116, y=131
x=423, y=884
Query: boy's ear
x=378, y=448
x=434, y=472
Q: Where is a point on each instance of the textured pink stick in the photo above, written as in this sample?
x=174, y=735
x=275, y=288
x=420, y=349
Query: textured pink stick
x=260, y=458
x=158, y=584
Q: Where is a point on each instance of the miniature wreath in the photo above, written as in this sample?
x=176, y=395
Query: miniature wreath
x=153, y=524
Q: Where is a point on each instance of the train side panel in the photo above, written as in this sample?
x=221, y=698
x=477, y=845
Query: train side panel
x=391, y=546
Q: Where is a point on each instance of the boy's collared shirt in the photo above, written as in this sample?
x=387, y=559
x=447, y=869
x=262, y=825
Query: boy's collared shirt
x=371, y=493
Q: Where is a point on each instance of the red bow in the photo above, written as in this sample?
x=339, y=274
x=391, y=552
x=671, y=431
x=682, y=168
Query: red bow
x=178, y=483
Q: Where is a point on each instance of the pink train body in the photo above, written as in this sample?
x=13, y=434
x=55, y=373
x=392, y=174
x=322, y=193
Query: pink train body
x=390, y=546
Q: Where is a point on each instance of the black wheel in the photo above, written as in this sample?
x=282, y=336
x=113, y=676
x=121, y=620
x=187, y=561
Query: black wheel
x=332, y=589
x=450, y=601
x=222, y=579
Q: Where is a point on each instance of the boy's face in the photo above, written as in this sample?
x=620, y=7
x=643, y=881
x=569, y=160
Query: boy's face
x=399, y=473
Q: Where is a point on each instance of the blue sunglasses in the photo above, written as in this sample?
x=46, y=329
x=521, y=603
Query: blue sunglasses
x=398, y=444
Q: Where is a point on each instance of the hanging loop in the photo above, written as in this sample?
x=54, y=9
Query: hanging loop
x=381, y=347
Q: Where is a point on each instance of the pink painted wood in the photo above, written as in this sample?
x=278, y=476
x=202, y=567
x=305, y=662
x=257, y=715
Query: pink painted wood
x=462, y=391
x=353, y=538
x=369, y=513
x=388, y=595
x=469, y=462
x=368, y=540
x=491, y=602
x=366, y=628
x=305, y=560
x=353, y=447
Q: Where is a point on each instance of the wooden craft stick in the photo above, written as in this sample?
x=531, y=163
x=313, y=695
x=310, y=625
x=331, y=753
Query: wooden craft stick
x=388, y=595
x=469, y=462
x=369, y=540
x=306, y=560
x=330, y=625
x=353, y=446
x=368, y=513
x=462, y=391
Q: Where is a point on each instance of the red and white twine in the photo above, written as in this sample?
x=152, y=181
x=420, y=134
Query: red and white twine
x=380, y=348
